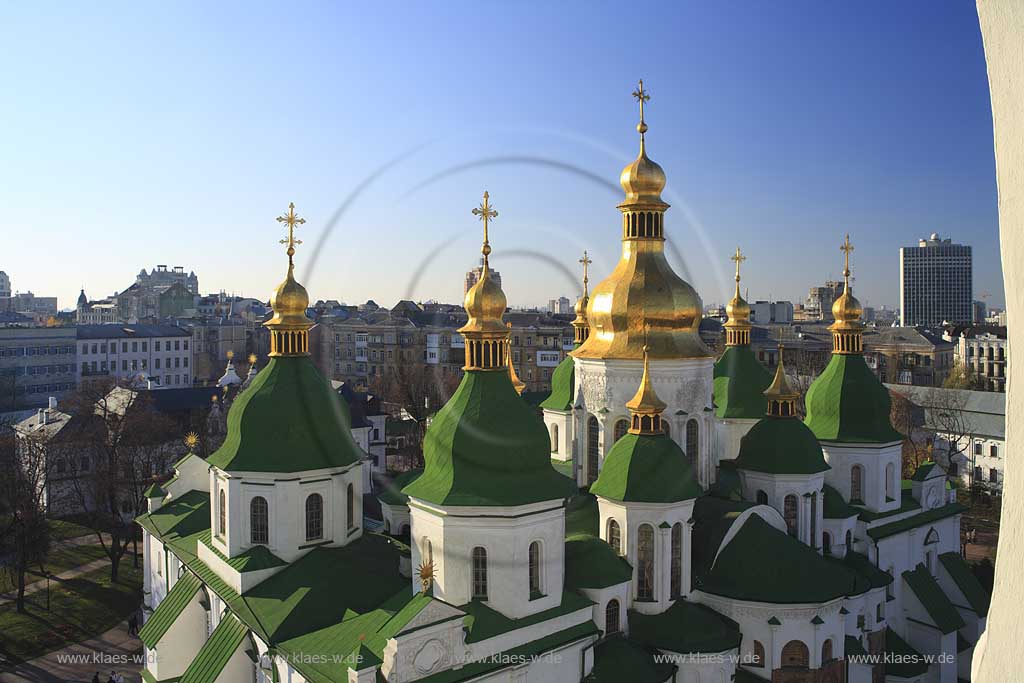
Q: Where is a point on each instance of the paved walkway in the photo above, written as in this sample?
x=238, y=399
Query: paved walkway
x=40, y=585
x=114, y=650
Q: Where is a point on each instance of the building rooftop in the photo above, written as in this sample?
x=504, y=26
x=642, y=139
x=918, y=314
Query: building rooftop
x=134, y=331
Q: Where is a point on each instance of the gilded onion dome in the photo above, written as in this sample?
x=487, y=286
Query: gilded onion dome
x=737, y=327
x=643, y=292
x=486, y=335
x=289, y=326
x=847, y=330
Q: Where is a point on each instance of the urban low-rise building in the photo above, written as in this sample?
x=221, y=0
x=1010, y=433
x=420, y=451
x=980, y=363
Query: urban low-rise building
x=35, y=364
x=147, y=355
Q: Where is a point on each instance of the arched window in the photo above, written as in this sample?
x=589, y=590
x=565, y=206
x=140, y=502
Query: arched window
x=645, y=562
x=479, y=573
x=789, y=513
x=222, y=524
x=856, y=484
x=614, y=537
x=611, y=617
x=593, y=432
x=350, y=506
x=554, y=438
x=826, y=651
x=762, y=498
x=691, y=439
x=814, y=519
x=758, y=654
x=534, y=568
x=677, y=560
x=259, y=522
x=890, y=481
x=849, y=541
x=314, y=517
x=621, y=427
x=826, y=543
x=795, y=655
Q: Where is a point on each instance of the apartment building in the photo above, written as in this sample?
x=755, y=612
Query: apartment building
x=159, y=355
x=35, y=364
x=983, y=351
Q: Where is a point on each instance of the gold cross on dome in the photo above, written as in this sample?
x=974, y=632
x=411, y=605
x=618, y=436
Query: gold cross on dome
x=739, y=258
x=641, y=96
x=586, y=262
x=291, y=220
x=846, y=248
x=485, y=213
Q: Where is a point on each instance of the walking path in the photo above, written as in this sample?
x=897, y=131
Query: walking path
x=39, y=585
x=114, y=650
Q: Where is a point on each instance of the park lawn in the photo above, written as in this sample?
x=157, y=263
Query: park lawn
x=60, y=560
x=80, y=608
x=61, y=529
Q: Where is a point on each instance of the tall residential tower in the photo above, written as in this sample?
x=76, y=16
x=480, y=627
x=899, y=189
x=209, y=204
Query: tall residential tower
x=935, y=282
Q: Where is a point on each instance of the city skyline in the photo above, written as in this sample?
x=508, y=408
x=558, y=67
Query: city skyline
x=782, y=147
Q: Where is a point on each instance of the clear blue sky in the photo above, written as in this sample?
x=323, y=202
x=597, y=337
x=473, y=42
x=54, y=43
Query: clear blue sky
x=144, y=133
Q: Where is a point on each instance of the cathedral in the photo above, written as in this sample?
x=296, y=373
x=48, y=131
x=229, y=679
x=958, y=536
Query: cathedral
x=706, y=534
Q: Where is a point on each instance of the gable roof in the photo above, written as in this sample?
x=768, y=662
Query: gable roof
x=978, y=598
x=934, y=601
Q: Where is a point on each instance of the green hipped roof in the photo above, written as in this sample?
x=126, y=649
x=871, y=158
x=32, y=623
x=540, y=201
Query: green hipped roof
x=848, y=403
x=391, y=493
x=761, y=563
x=978, y=598
x=287, y=420
x=739, y=384
x=487, y=447
x=935, y=602
x=563, y=386
x=908, y=662
x=927, y=517
x=215, y=653
x=617, y=659
x=685, y=628
x=781, y=445
x=169, y=609
x=179, y=520
x=591, y=563
x=834, y=506
x=485, y=622
x=646, y=468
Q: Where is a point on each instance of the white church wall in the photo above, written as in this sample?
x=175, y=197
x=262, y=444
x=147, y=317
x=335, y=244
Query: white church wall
x=729, y=432
x=880, y=473
x=559, y=424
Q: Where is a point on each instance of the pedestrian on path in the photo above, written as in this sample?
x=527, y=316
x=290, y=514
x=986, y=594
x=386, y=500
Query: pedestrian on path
x=133, y=624
x=96, y=677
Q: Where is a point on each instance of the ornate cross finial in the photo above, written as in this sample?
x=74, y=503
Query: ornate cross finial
x=586, y=262
x=485, y=213
x=739, y=258
x=641, y=96
x=291, y=220
x=846, y=248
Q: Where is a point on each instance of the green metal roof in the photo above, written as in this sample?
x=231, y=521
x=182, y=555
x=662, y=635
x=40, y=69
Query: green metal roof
x=847, y=403
x=254, y=559
x=213, y=656
x=907, y=661
x=739, y=384
x=391, y=493
x=978, y=598
x=685, y=628
x=781, y=445
x=154, y=491
x=287, y=420
x=935, y=602
x=833, y=506
x=618, y=659
x=646, y=468
x=563, y=386
x=485, y=622
x=582, y=515
x=591, y=563
x=180, y=519
x=927, y=517
x=169, y=609
x=761, y=563
x=487, y=447
x=923, y=470
x=863, y=566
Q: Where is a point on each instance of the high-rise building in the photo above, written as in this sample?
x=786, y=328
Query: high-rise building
x=5, y=285
x=560, y=306
x=935, y=283
x=473, y=276
x=820, y=298
x=978, y=312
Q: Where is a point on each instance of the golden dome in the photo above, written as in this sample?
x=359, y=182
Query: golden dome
x=289, y=301
x=485, y=303
x=643, y=292
x=289, y=326
x=737, y=327
x=847, y=308
x=847, y=337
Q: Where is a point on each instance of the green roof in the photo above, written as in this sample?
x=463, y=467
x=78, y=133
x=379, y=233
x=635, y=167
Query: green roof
x=847, y=403
x=907, y=661
x=563, y=386
x=213, y=656
x=181, y=461
x=617, y=659
x=178, y=522
x=713, y=517
x=582, y=515
x=391, y=493
x=854, y=647
x=154, y=491
x=254, y=559
x=781, y=445
x=287, y=420
x=978, y=598
x=927, y=517
x=646, y=468
x=923, y=470
x=907, y=504
x=487, y=447
x=169, y=609
x=685, y=628
x=728, y=483
x=935, y=602
x=833, y=506
x=484, y=622
x=761, y=563
x=739, y=384
x=863, y=566
x=591, y=563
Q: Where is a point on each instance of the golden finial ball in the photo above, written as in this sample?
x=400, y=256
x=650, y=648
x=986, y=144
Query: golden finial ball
x=641, y=128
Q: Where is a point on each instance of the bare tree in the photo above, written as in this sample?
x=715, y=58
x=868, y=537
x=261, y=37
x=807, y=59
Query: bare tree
x=960, y=377
x=937, y=426
x=24, y=532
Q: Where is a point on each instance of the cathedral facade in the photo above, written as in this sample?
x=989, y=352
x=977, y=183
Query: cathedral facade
x=705, y=534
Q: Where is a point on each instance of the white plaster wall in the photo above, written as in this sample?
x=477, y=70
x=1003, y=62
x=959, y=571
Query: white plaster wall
x=623, y=592
x=778, y=486
x=705, y=667
x=193, y=475
x=180, y=644
x=873, y=460
x=728, y=434
x=561, y=449
x=394, y=517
